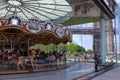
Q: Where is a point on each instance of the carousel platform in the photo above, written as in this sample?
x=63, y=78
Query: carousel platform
x=12, y=69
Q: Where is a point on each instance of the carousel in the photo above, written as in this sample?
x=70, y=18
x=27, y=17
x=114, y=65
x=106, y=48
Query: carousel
x=24, y=23
x=15, y=33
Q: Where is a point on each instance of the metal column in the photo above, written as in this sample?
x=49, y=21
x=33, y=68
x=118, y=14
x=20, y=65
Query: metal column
x=103, y=38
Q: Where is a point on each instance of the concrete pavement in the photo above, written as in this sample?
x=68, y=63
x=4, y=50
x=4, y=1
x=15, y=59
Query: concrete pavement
x=102, y=70
x=75, y=70
x=113, y=74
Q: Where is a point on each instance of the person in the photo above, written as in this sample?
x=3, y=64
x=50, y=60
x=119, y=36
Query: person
x=96, y=60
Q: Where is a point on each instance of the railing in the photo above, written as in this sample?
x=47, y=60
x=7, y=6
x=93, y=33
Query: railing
x=10, y=66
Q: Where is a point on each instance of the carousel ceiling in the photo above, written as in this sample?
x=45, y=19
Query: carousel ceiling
x=43, y=10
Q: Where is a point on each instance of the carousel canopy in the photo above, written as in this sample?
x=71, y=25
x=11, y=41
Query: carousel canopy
x=43, y=10
x=32, y=20
x=20, y=32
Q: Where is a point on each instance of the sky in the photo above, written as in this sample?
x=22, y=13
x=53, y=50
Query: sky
x=118, y=1
x=83, y=40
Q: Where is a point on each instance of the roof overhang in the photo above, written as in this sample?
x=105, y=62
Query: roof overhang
x=85, y=11
x=102, y=4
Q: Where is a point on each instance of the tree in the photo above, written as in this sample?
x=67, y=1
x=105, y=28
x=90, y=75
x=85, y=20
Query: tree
x=81, y=49
x=39, y=46
x=89, y=51
x=50, y=47
x=75, y=48
x=72, y=47
x=61, y=47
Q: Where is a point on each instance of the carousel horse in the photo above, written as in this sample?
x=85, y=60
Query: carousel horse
x=32, y=57
x=17, y=59
x=20, y=62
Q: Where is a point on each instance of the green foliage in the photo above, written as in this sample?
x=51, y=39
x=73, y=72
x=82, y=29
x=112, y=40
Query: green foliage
x=32, y=47
x=75, y=48
x=72, y=47
x=81, y=49
x=50, y=47
x=61, y=47
x=89, y=51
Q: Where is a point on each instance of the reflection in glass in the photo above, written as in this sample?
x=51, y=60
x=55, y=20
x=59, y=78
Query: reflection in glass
x=60, y=32
x=67, y=32
x=14, y=21
x=33, y=27
x=48, y=26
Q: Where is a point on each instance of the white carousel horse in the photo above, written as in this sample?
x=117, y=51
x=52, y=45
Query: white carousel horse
x=20, y=62
x=32, y=61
